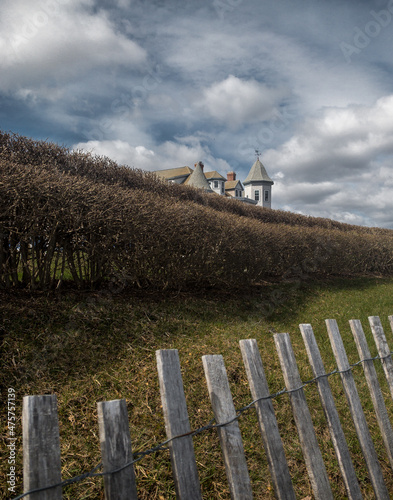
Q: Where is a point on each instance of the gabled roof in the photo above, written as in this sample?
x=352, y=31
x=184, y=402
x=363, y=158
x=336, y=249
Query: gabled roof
x=229, y=185
x=171, y=173
x=214, y=176
x=257, y=174
x=197, y=179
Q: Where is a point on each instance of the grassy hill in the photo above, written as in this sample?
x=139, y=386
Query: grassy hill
x=91, y=346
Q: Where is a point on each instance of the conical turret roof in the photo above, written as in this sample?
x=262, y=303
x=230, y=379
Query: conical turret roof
x=197, y=179
x=257, y=174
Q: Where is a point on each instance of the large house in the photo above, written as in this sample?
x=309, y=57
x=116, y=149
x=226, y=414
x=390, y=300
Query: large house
x=256, y=189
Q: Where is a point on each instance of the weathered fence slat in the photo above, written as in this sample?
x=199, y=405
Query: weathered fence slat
x=312, y=454
x=230, y=437
x=177, y=423
x=267, y=420
x=116, y=450
x=41, y=447
x=332, y=417
x=356, y=410
x=383, y=348
x=373, y=385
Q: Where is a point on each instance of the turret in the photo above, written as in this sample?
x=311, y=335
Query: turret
x=258, y=185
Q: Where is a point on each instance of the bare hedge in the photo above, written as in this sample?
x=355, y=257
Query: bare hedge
x=68, y=215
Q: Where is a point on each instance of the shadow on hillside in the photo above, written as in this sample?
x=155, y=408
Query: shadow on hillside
x=282, y=300
x=71, y=335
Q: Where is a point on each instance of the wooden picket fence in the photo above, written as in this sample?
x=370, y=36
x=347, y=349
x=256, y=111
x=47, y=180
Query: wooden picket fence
x=41, y=442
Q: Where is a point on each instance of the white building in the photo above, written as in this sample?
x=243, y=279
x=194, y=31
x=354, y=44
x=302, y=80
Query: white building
x=258, y=185
x=256, y=189
x=216, y=182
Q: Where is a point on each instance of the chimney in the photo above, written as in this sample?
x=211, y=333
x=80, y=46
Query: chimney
x=200, y=164
x=231, y=176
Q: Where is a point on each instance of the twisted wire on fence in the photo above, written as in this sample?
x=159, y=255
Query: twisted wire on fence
x=211, y=425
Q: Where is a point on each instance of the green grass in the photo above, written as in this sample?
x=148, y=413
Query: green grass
x=89, y=347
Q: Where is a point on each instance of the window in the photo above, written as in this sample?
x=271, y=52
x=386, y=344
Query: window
x=216, y=184
x=266, y=195
x=222, y=188
x=256, y=195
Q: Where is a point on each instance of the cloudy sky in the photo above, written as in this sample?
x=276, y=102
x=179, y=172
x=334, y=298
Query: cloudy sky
x=166, y=83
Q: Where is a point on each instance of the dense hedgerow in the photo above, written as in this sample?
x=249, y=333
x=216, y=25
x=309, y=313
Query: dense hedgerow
x=67, y=215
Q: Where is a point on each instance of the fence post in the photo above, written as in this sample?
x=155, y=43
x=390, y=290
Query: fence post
x=383, y=348
x=116, y=450
x=230, y=437
x=373, y=385
x=312, y=454
x=41, y=447
x=177, y=423
x=267, y=420
x=356, y=410
x=329, y=408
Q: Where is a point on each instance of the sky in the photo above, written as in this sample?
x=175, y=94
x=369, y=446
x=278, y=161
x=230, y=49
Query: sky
x=166, y=83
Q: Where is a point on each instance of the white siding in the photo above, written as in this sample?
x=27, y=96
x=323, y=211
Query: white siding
x=250, y=189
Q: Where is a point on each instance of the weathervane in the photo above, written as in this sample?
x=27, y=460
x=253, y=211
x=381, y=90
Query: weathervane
x=257, y=153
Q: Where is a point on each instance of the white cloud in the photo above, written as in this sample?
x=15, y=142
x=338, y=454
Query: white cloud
x=338, y=165
x=339, y=144
x=59, y=41
x=305, y=192
x=120, y=151
x=236, y=102
x=169, y=154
